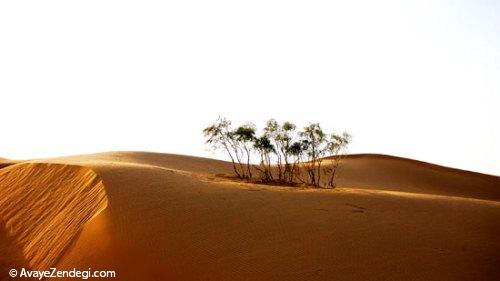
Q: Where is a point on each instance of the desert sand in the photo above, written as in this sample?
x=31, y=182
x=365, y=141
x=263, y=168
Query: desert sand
x=156, y=216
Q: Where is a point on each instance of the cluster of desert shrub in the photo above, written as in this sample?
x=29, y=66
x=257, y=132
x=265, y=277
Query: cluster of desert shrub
x=286, y=155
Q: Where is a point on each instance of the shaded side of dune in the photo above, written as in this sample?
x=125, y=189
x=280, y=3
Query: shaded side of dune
x=43, y=208
x=7, y=162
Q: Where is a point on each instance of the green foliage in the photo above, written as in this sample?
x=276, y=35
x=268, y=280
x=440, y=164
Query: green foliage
x=245, y=133
x=264, y=144
x=297, y=148
x=217, y=133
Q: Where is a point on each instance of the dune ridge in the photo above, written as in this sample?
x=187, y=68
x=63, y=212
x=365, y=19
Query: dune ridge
x=43, y=207
x=366, y=171
x=4, y=162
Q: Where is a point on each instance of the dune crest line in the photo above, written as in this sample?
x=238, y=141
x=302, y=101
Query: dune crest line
x=43, y=207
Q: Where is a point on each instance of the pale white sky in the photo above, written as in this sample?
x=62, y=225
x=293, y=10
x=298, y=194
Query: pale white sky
x=418, y=79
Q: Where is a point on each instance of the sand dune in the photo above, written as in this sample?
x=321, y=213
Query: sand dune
x=169, y=218
x=369, y=171
x=384, y=172
x=43, y=207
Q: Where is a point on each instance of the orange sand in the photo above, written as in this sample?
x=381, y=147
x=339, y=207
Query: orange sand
x=43, y=207
x=169, y=218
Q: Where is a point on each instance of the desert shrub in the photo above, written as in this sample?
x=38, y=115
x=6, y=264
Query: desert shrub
x=244, y=136
x=292, y=152
x=265, y=148
x=337, y=149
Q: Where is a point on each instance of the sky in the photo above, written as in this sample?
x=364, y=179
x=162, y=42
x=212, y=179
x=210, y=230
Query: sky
x=417, y=79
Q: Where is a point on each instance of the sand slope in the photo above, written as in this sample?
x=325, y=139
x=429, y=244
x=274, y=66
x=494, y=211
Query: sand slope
x=384, y=172
x=169, y=218
x=43, y=207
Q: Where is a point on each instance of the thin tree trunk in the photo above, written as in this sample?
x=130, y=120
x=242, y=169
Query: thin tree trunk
x=232, y=160
x=319, y=174
x=269, y=167
x=248, y=162
x=238, y=157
